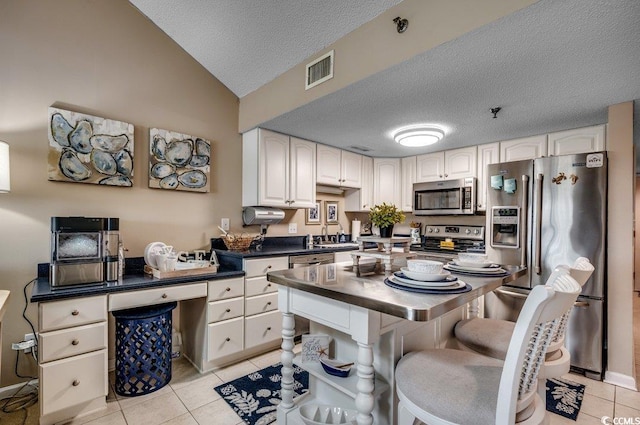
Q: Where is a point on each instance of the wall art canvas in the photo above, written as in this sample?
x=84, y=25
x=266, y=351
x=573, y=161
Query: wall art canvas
x=88, y=149
x=178, y=161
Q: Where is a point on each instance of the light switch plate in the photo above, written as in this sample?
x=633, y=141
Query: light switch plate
x=224, y=223
x=293, y=227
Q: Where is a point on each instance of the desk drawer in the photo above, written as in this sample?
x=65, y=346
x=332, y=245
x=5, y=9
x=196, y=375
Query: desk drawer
x=73, y=381
x=225, y=338
x=72, y=312
x=258, y=286
x=225, y=288
x=263, y=328
x=72, y=341
x=161, y=295
x=260, y=267
x=261, y=304
x=225, y=309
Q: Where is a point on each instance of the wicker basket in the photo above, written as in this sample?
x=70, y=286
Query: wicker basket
x=238, y=243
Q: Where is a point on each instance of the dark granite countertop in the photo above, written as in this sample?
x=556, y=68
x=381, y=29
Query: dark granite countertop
x=134, y=279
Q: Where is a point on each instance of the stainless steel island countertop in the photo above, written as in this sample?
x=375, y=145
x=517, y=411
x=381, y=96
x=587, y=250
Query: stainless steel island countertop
x=364, y=286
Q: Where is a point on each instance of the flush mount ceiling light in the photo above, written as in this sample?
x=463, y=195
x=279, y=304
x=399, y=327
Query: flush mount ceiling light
x=416, y=136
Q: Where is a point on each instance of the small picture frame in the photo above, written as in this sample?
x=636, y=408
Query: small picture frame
x=331, y=212
x=314, y=346
x=313, y=215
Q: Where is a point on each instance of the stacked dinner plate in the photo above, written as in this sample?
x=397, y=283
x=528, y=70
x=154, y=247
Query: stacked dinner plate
x=442, y=281
x=474, y=264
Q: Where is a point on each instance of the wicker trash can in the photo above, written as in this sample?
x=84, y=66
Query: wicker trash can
x=143, y=349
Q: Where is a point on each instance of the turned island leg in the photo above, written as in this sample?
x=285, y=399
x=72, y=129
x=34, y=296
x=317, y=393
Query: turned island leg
x=365, y=385
x=288, y=325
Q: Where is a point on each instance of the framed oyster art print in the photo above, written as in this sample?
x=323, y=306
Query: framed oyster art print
x=178, y=161
x=88, y=149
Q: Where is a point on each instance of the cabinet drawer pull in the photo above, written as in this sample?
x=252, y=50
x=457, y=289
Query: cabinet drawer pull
x=164, y=295
x=268, y=285
x=228, y=310
x=269, y=328
x=269, y=303
x=75, y=383
x=75, y=312
x=228, y=289
x=228, y=339
x=269, y=266
x=75, y=342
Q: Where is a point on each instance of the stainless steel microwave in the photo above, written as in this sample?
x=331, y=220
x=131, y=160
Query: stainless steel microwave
x=447, y=197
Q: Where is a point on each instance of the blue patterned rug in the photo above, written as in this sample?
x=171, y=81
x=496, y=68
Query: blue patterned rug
x=256, y=397
x=564, y=397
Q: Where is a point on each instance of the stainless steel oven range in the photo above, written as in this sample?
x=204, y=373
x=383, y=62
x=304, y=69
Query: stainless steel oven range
x=444, y=242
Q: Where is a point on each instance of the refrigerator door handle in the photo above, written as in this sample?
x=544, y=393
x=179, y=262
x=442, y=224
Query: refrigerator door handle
x=511, y=293
x=523, y=220
x=538, y=225
x=581, y=304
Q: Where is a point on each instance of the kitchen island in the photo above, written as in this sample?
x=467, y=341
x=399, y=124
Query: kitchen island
x=370, y=323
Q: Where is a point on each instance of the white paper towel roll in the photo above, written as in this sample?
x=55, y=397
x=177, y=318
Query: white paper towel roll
x=355, y=230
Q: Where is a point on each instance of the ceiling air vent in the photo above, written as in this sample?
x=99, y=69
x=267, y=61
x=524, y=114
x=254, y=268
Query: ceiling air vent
x=319, y=71
x=360, y=148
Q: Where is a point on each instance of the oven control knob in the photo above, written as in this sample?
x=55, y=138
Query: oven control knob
x=467, y=231
x=429, y=229
x=436, y=230
x=476, y=232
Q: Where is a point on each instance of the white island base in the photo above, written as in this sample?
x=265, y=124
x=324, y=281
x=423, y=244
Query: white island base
x=374, y=341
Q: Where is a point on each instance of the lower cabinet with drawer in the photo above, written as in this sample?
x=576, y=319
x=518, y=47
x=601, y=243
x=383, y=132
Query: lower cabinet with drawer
x=73, y=358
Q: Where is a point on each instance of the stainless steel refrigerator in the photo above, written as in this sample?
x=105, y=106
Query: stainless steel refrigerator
x=542, y=213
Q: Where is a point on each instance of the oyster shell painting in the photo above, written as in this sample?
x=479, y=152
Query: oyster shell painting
x=178, y=161
x=88, y=149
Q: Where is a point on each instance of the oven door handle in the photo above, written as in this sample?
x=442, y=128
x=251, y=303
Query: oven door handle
x=511, y=293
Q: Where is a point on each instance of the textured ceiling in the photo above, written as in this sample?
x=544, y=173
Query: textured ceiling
x=247, y=43
x=555, y=65
x=552, y=66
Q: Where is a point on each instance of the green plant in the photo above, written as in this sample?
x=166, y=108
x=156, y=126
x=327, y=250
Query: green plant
x=385, y=215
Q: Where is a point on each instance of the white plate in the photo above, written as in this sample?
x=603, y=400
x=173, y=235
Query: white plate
x=425, y=277
x=450, y=281
x=474, y=264
x=427, y=285
x=480, y=270
x=150, y=252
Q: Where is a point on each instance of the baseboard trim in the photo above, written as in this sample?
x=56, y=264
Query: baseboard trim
x=11, y=389
x=620, y=380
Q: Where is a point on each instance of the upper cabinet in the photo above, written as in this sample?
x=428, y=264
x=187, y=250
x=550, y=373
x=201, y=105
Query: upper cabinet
x=487, y=154
x=579, y=140
x=361, y=200
x=525, y=148
x=278, y=170
x=408, y=179
x=447, y=165
x=387, y=181
x=338, y=168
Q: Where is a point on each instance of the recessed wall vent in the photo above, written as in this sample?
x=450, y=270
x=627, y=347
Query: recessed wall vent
x=319, y=71
x=360, y=148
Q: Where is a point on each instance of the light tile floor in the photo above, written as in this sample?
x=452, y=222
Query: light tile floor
x=190, y=400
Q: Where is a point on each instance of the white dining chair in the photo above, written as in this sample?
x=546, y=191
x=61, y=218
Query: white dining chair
x=447, y=386
x=491, y=336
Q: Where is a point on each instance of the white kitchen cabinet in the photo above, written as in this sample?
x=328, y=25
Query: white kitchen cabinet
x=408, y=179
x=277, y=170
x=361, y=200
x=73, y=357
x=525, y=148
x=446, y=165
x=578, y=140
x=487, y=154
x=387, y=181
x=336, y=167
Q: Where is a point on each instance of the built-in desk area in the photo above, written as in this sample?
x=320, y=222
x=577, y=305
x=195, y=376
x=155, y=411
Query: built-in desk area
x=73, y=332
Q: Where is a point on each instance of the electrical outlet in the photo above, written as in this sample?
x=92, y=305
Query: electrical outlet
x=29, y=337
x=293, y=227
x=224, y=223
